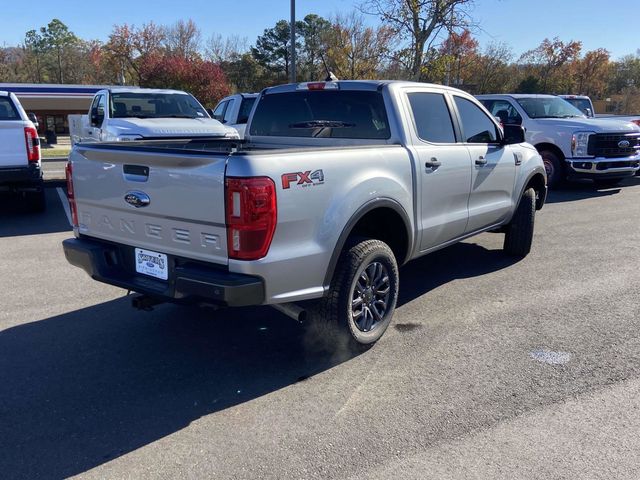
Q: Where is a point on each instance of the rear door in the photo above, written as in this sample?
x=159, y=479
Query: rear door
x=443, y=169
x=182, y=193
x=13, y=146
x=493, y=166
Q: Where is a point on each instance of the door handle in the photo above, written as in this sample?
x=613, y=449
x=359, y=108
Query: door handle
x=433, y=163
x=481, y=160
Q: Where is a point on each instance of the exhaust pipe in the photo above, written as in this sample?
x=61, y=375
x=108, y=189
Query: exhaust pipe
x=292, y=310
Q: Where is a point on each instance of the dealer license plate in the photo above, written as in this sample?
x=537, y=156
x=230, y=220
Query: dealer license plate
x=152, y=263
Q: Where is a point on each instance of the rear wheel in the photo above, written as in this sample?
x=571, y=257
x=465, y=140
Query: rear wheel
x=362, y=298
x=519, y=232
x=554, y=169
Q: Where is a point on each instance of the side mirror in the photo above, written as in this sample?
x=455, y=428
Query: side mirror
x=513, y=134
x=32, y=116
x=588, y=112
x=96, y=118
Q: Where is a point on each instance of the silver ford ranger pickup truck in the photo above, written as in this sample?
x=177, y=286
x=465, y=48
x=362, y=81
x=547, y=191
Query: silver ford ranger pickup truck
x=335, y=186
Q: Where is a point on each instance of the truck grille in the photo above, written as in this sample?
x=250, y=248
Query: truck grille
x=607, y=145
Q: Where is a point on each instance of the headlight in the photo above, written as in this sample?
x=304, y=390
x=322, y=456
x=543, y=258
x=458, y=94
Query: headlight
x=128, y=138
x=580, y=144
x=234, y=135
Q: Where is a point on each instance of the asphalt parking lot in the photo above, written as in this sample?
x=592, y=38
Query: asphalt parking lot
x=493, y=368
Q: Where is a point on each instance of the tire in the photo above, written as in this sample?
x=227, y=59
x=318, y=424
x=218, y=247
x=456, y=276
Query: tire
x=554, y=168
x=519, y=232
x=36, y=202
x=607, y=183
x=360, y=303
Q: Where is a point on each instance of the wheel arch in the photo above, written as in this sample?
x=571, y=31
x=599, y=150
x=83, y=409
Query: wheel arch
x=396, y=232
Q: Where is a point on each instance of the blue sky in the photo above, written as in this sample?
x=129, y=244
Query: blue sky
x=523, y=24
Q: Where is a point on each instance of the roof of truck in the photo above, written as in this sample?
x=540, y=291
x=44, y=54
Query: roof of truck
x=144, y=90
x=357, y=85
x=517, y=95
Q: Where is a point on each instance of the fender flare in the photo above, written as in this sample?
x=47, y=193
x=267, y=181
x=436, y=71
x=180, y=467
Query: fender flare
x=355, y=218
x=543, y=194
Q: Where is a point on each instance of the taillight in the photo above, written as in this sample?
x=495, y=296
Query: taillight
x=71, y=194
x=33, y=144
x=637, y=122
x=251, y=213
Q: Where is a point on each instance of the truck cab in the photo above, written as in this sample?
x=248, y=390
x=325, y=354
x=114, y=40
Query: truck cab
x=127, y=114
x=234, y=111
x=572, y=146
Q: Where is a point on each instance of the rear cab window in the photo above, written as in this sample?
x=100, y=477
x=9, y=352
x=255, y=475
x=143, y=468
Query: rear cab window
x=245, y=109
x=8, y=110
x=351, y=114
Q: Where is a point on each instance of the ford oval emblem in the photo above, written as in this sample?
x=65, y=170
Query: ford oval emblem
x=624, y=144
x=137, y=199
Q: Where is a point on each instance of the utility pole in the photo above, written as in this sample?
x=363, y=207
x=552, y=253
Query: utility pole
x=293, y=41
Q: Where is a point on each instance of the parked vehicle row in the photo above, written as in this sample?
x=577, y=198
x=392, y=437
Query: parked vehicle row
x=336, y=185
x=128, y=114
x=20, y=160
x=571, y=145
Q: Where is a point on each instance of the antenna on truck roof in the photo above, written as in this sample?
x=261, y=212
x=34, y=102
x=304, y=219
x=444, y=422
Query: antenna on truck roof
x=330, y=76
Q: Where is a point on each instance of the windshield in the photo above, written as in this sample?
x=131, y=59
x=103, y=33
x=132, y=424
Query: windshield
x=322, y=114
x=548, y=107
x=155, y=105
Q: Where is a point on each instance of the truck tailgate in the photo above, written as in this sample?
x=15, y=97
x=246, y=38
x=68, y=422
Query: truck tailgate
x=13, y=147
x=171, y=203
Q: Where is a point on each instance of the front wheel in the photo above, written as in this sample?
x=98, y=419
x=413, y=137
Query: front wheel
x=362, y=298
x=554, y=169
x=519, y=232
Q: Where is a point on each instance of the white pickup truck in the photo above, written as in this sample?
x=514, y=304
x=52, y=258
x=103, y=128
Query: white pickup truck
x=126, y=114
x=234, y=111
x=20, y=161
x=571, y=145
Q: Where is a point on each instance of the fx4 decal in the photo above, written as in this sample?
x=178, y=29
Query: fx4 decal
x=304, y=179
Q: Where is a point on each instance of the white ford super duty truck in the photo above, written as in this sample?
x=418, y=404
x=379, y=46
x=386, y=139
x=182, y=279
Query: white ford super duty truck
x=20, y=161
x=337, y=184
x=571, y=145
x=125, y=114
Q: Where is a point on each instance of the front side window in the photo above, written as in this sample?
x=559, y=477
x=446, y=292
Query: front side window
x=8, y=110
x=227, y=114
x=477, y=127
x=322, y=114
x=432, y=117
x=155, y=105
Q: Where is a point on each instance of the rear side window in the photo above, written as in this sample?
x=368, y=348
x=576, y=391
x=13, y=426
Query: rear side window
x=322, y=114
x=432, y=117
x=476, y=125
x=227, y=113
x=245, y=109
x=8, y=110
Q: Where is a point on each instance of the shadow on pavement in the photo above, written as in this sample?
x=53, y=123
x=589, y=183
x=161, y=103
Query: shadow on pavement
x=15, y=221
x=582, y=190
x=85, y=387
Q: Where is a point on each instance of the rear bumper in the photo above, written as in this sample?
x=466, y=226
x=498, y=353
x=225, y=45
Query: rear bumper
x=19, y=178
x=189, y=282
x=596, y=168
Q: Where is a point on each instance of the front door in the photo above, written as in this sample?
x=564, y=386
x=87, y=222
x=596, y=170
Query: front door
x=493, y=167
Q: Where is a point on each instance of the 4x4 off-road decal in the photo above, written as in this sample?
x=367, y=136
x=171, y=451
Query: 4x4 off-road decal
x=303, y=179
